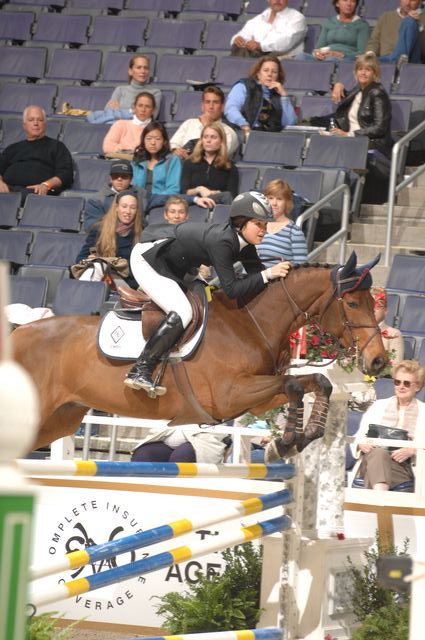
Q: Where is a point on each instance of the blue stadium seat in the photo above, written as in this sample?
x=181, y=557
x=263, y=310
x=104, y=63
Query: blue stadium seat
x=84, y=138
x=89, y=98
x=52, y=212
x=311, y=37
x=55, y=248
x=14, y=247
x=98, y=5
x=413, y=318
x=220, y=213
x=313, y=106
x=308, y=184
x=15, y=97
x=421, y=352
x=319, y=9
x=39, y=3
x=53, y=275
x=175, y=69
x=82, y=66
x=167, y=6
x=411, y=80
x=248, y=177
x=188, y=105
x=117, y=31
x=400, y=116
x=23, y=62
x=91, y=174
x=115, y=66
x=407, y=274
x=230, y=69
x=168, y=98
x=409, y=343
x=302, y=75
x=405, y=487
x=9, y=207
x=282, y=149
x=62, y=29
x=229, y=8
x=393, y=303
x=384, y=388
x=219, y=34
x=175, y=34
x=74, y=297
x=30, y=291
x=373, y=10
x=345, y=73
x=16, y=26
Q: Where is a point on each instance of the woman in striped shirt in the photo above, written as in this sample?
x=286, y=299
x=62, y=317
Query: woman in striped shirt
x=283, y=240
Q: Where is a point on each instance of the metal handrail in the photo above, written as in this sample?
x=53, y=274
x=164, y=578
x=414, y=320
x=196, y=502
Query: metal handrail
x=343, y=230
x=394, y=188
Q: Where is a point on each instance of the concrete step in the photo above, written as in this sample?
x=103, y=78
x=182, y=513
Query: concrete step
x=412, y=196
x=99, y=447
x=420, y=180
x=412, y=237
x=365, y=252
x=402, y=213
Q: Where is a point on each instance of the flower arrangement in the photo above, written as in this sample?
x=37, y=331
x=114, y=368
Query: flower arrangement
x=315, y=345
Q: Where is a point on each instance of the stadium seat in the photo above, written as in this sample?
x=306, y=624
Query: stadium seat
x=345, y=73
x=52, y=212
x=14, y=247
x=220, y=213
x=405, y=487
x=407, y=274
x=258, y=6
x=219, y=34
x=229, y=8
x=117, y=31
x=88, y=98
x=9, y=207
x=167, y=6
x=283, y=149
x=15, y=97
x=319, y=9
x=61, y=29
x=311, y=37
x=115, y=66
x=16, y=26
x=56, y=248
x=421, y=352
x=39, y=3
x=23, y=62
x=97, y=5
x=175, y=69
x=409, y=343
x=384, y=388
x=314, y=106
x=248, y=177
x=230, y=69
x=413, y=318
x=393, y=303
x=188, y=105
x=53, y=275
x=373, y=10
x=30, y=291
x=82, y=66
x=74, y=297
x=84, y=138
x=307, y=184
x=91, y=174
x=400, y=116
x=168, y=97
x=411, y=80
x=175, y=34
x=302, y=75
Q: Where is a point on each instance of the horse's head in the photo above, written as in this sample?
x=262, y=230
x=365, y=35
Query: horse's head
x=348, y=314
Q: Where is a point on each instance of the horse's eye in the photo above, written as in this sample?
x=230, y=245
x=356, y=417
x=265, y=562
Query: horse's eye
x=353, y=305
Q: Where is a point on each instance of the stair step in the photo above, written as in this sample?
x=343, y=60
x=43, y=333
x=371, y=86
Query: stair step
x=365, y=252
x=370, y=212
x=411, y=196
x=410, y=237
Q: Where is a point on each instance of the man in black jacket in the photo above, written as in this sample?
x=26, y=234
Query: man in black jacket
x=38, y=164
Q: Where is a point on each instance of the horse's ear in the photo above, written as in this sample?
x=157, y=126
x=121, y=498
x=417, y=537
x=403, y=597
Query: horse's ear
x=349, y=267
x=369, y=265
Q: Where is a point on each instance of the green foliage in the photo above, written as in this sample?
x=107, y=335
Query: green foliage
x=269, y=417
x=221, y=603
x=391, y=621
x=44, y=627
x=384, y=613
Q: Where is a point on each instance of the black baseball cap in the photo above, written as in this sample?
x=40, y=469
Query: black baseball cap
x=121, y=167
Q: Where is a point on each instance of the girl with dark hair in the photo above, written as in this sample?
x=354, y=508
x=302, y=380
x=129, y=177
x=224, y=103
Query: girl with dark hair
x=154, y=168
x=261, y=100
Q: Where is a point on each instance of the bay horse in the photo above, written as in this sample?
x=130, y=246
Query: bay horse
x=234, y=370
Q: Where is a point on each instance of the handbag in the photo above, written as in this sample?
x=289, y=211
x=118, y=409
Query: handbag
x=109, y=265
x=388, y=433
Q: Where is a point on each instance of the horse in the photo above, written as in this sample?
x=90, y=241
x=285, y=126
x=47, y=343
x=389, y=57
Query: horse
x=235, y=369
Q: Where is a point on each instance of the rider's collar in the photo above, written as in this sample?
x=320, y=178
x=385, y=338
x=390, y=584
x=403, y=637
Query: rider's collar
x=242, y=242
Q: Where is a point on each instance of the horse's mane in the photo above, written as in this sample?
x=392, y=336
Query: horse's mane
x=314, y=265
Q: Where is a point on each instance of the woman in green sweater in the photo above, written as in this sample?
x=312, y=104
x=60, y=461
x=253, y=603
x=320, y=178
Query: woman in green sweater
x=342, y=37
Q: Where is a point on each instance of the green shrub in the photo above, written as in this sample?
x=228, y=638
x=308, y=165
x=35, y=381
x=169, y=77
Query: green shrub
x=44, y=627
x=222, y=603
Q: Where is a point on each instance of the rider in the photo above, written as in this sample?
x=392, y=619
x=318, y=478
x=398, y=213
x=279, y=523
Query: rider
x=168, y=253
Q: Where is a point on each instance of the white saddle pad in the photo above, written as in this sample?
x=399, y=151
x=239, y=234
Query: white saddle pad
x=123, y=340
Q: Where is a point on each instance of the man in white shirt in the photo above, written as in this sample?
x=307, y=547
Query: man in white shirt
x=212, y=108
x=278, y=30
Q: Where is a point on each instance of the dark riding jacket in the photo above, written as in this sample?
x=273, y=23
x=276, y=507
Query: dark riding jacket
x=188, y=245
x=374, y=116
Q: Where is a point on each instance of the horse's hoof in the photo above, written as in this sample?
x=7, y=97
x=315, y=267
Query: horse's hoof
x=278, y=450
x=271, y=453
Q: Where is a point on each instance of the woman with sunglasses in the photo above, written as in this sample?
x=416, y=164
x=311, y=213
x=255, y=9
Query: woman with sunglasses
x=382, y=469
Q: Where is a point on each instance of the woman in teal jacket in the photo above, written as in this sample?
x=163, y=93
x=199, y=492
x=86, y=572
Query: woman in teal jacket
x=154, y=169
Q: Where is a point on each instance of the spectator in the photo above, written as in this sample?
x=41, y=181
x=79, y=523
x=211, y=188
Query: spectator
x=283, y=240
x=208, y=175
x=212, y=107
x=124, y=135
x=174, y=445
x=366, y=111
x=342, y=37
x=154, y=170
x=261, y=100
x=138, y=76
x=391, y=337
x=121, y=177
x=117, y=233
x=382, y=469
x=176, y=210
x=399, y=35
x=278, y=30
x=39, y=164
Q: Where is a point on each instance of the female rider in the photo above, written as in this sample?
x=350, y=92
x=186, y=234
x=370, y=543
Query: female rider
x=167, y=253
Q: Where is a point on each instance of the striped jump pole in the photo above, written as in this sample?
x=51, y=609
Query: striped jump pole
x=164, y=532
x=272, y=633
x=156, y=562
x=104, y=468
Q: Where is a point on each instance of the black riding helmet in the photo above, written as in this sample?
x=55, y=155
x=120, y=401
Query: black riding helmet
x=251, y=205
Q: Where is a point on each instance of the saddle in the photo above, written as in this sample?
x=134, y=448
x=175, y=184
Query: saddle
x=133, y=302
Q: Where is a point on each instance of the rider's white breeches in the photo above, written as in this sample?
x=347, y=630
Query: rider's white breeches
x=166, y=293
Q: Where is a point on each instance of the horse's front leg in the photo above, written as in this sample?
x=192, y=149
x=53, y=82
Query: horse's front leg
x=295, y=437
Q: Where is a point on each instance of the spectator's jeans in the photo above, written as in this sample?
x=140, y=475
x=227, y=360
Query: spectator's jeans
x=408, y=42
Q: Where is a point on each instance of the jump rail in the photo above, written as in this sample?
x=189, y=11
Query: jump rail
x=153, y=563
x=272, y=633
x=99, y=552
x=279, y=471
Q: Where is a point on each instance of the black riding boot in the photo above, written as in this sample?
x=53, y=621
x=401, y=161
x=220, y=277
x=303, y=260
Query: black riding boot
x=160, y=342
